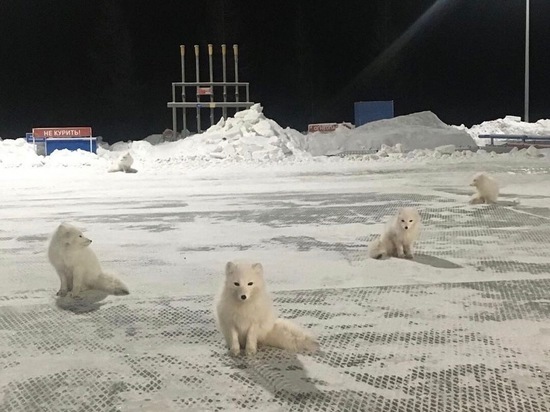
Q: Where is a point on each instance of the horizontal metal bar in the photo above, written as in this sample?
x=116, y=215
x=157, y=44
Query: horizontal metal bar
x=209, y=104
x=513, y=136
x=186, y=84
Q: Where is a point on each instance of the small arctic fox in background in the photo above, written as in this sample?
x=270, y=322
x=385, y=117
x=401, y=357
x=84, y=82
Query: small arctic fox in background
x=399, y=236
x=487, y=189
x=77, y=265
x=124, y=164
x=246, y=317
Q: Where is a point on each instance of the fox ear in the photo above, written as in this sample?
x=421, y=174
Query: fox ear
x=258, y=268
x=63, y=229
x=230, y=268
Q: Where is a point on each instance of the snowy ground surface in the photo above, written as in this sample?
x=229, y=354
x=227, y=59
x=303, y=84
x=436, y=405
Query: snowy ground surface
x=466, y=326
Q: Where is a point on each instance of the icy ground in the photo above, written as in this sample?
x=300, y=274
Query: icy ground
x=395, y=335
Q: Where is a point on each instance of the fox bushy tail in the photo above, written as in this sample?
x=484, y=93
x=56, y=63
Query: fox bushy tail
x=110, y=284
x=377, y=250
x=287, y=335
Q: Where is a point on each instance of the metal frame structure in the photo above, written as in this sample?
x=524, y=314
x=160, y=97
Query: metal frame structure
x=208, y=89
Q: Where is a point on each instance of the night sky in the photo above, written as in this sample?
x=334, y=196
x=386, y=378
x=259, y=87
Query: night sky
x=109, y=64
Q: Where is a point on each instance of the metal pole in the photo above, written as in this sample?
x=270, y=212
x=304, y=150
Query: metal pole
x=224, y=70
x=197, y=91
x=184, y=115
x=211, y=72
x=526, y=117
x=174, y=114
x=236, y=58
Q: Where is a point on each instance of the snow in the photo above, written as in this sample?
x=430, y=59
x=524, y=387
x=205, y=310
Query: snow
x=507, y=125
x=423, y=130
x=248, y=188
x=248, y=136
x=243, y=153
x=251, y=137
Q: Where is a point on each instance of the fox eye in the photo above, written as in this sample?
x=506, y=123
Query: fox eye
x=79, y=235
x=250, y=283
x=410, y=221
x=403, y=220
x=236, y=284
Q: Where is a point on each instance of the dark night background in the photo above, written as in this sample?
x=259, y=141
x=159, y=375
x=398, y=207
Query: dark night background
x=109, y=63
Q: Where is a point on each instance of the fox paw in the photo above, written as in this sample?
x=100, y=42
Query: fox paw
x=61, y=292
x=401, y=255
x=235, y=351
x=250, y=351
x=409, y=256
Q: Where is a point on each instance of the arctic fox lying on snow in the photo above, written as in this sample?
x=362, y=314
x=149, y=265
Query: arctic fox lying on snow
x=77, y=265
x=399, y=236
x=246, y=317
x=124, y=164
x=487, y=189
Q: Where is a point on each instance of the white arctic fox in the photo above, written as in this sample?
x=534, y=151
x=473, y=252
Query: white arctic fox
x=77, y=265
x=246, y=317
x=124, y=164
x=487, y=189
x=399, y=236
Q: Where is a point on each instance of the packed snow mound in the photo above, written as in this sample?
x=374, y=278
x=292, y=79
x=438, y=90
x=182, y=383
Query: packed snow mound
x=167, y=136
x=17, y=152
x=423, y=130
x=507, y=125
x=248, y=136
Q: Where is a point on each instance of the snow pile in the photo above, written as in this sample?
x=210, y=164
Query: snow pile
x=507, y=125
x=76, y=158
x=167, y=136
x=17, y=153
x=423, y=130
x=251, y=137
x=248, y=136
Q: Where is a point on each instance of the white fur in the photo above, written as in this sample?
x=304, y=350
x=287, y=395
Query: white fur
x=77, y=265
x=246, y=317
x=124, y=164
x=399, y=236
x=487, y=189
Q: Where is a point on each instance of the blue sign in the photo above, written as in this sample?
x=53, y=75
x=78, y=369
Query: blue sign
x=366, y=112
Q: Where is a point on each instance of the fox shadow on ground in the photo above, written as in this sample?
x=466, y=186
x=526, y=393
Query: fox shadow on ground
x=429, y=260
x=90, y=301
x=434, y=261
x=279, y=372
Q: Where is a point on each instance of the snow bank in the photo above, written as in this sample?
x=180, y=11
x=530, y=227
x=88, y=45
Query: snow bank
x=506, y=125
x=17, y=153
x=251, y=137
x=248, y=136
x=421, y=130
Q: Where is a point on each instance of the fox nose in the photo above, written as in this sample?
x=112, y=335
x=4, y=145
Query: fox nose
x=243, y=297
x=406, y=227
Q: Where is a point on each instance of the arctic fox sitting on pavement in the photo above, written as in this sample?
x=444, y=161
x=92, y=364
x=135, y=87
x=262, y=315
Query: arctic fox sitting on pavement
x=246, y=317
x=399, y=236
x=124, y=164
x=77, y=265
x=487, y=189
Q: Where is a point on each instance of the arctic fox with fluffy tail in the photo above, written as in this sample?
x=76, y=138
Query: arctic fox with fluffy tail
x=399, y=236
x=246, y=317
x=124, y=164
x=77, y=265
x=487, y=189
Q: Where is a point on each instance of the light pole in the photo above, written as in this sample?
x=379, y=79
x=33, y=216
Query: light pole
x=526, y=115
